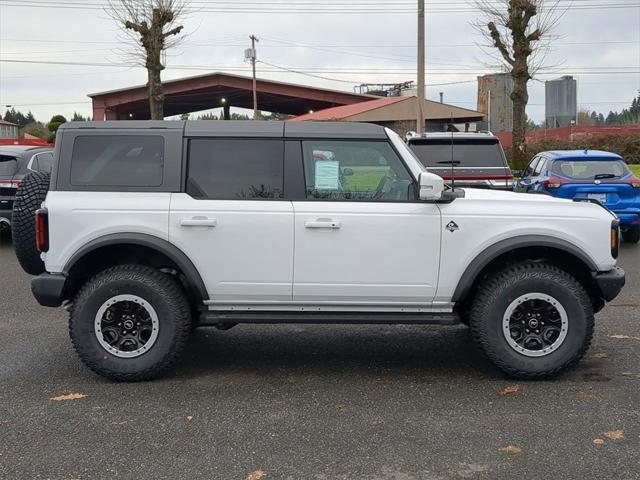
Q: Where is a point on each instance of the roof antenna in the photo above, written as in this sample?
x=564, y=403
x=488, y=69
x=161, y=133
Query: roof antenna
x=453, y=178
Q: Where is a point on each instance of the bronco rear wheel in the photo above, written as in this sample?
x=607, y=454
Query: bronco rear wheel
x=29, y=197
x=130, y=323
x=532, y=320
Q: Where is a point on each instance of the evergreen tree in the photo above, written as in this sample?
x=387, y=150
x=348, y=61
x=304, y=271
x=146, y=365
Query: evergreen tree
x=79, y=118
x=10, y=115
x=208, y=116
x=17, y=117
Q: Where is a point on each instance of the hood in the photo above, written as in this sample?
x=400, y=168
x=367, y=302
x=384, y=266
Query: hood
x=508, y=196
x=532, y=204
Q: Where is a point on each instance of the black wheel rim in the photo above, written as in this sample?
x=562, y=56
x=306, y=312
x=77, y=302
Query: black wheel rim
x=126, y=326
x=535, y=324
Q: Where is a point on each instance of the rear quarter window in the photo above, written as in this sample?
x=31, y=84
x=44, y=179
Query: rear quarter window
x=118, y=160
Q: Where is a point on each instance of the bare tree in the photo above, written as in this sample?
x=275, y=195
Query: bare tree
x=151, y=26
x=521, y=32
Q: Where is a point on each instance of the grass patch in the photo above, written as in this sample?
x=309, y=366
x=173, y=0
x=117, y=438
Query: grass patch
x=635, y=169
x=363, y=180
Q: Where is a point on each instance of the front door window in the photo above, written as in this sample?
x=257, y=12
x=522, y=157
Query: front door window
x=355, y=170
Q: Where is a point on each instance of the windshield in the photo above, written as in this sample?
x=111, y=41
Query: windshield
x=8, y=166
x=590, y=169
x=469, y=154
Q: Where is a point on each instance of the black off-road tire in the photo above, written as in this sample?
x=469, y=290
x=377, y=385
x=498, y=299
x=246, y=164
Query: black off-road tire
x=28, y=199
x=497, y=292
x=166, y=297
x=631, y=235
x=464, y=314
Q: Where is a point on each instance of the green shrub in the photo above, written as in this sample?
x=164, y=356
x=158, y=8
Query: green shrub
x=627, y=146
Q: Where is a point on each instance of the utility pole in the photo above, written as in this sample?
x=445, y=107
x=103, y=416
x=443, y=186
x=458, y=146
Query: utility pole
x=254, y=39
x=489, y=110
x=421, y=95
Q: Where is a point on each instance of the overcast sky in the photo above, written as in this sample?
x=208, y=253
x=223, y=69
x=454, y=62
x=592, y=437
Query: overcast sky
x=599, y=38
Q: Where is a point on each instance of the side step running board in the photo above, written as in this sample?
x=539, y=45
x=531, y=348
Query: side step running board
x=221, y=318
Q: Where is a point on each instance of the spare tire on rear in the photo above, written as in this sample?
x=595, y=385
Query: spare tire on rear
x=29, y=198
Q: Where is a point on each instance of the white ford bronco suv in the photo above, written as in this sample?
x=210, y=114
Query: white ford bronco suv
x=147, y=229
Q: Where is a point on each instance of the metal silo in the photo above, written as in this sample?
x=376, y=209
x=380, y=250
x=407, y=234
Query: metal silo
x=494, y=100
x=561, y=101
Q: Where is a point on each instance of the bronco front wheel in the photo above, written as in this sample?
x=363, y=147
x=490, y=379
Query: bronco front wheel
x=532, y=320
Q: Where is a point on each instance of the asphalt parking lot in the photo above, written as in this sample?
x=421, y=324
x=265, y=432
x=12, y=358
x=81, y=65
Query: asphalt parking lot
x=316, y=402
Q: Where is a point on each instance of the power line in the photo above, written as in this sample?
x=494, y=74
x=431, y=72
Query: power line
x=371, y=45
x=13, y=104
x=16, y=104
x=48, y=75
x=300, y=3
x=365, y=3
x=448, y=71
x=286, y=69
x=342, y=9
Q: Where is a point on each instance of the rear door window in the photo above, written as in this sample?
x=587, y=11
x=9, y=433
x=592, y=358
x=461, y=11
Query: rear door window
x=235, y=169
x=528, y=172
x=8, y=166
x=540, y=167
x=118, y=160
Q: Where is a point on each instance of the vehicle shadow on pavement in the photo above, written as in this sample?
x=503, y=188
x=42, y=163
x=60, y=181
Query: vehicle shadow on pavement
x=413, y=351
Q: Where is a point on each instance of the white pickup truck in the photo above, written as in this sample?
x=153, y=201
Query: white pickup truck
x=145, y=230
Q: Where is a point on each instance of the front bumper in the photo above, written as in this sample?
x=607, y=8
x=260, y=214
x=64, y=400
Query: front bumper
x=48, y=288
x=610, y=283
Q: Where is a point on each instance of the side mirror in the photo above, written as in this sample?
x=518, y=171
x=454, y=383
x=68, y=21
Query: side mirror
x=347, y=172
x=431, y=186
x=526, y=181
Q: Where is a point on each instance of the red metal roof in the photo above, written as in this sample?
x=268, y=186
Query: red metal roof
x=203, y=92
x=344, y=111
x=4, y=122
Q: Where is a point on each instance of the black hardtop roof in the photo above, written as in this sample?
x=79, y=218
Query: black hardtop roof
x=243, y=128
x=125, y=125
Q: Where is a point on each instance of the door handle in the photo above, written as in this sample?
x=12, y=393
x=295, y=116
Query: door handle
x=198, y=222
x=322, y=223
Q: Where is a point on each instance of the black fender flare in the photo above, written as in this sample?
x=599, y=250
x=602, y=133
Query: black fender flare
x=494, y=251
x=155, y=243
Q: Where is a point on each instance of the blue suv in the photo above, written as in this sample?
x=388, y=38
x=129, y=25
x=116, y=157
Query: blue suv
x=593, y=174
